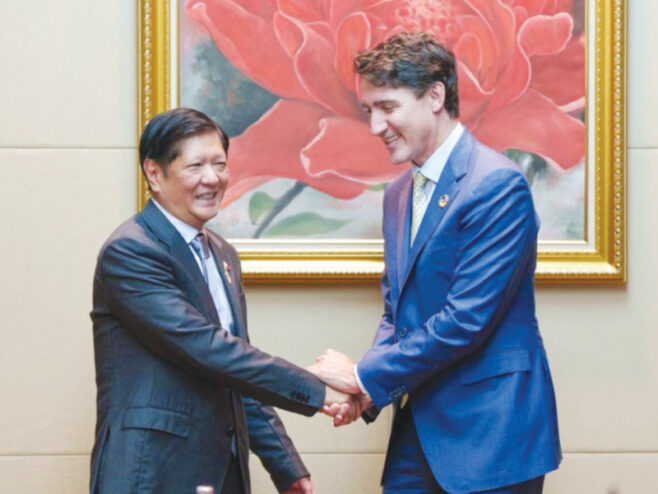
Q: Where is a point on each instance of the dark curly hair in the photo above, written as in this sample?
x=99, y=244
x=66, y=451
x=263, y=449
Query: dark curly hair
x=413, y=60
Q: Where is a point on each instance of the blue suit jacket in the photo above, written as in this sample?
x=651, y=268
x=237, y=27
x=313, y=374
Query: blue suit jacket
x=174, y=388
x=459, y=332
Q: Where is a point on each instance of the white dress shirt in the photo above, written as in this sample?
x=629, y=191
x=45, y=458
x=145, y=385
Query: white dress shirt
x=215, y=284
x=435, y=164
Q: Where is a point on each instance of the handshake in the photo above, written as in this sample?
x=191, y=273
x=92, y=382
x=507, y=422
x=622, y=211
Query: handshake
x=344, y=400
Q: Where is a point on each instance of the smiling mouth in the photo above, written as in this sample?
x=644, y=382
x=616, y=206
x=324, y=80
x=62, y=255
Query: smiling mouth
x=390, y=140
x=207, y=197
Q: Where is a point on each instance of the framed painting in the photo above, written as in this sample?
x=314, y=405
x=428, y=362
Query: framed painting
x=542, y=82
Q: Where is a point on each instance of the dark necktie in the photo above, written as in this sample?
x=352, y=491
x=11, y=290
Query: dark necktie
x=200, y=246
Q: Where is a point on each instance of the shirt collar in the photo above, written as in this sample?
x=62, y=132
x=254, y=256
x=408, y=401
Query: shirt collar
x=186, y=231
x=434, y=165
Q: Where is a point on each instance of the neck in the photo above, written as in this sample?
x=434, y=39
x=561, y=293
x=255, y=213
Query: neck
x=444, y=129
x=445, y=126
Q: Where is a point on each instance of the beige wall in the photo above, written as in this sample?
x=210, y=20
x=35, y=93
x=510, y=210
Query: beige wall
x=67, y=178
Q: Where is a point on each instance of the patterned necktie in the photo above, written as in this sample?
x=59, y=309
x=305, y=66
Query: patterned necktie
x=418, y=204
x=200, y=246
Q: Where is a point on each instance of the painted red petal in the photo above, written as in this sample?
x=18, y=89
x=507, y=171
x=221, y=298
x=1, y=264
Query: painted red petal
x=261, y=8
x=302, y=10
x=489, y=70
x=288, y=34
x=468, y=51
x=238, y=188
x=561, y=77
x=501, y=19
x=535, y=124
x=345, y=148
x=338, y=11
x=548, y=7
x=317, y=77
x=512, y=84
x=520, y=15
x=545, y=35
x=250, y=43
x=353, y=35
x=272, y=148
x=472, y=98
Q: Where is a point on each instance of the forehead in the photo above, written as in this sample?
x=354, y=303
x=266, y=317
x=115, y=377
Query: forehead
x=208, y=143
x=373, y=95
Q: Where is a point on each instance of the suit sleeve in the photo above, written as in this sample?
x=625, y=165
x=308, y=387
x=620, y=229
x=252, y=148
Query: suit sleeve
x=386, y=329
x=269, y=441
x=498, y=233
x=139, y=285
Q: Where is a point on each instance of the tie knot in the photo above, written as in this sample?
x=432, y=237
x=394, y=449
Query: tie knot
x=200, y=245
x=419, y=180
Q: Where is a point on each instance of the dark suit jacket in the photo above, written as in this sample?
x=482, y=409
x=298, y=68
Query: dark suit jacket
x=459, y=332
x=168, y=375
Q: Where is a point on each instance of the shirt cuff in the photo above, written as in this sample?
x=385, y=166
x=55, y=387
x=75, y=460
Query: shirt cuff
x=358, y=381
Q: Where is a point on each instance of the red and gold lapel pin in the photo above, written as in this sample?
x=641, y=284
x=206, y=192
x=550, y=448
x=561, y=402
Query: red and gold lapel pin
x=227, y=272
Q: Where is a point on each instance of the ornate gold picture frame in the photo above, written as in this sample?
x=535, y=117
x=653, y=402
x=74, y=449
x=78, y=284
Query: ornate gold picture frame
x=595, y=253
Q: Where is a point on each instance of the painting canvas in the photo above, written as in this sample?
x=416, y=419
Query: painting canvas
x=308, y=176
x=278, y=77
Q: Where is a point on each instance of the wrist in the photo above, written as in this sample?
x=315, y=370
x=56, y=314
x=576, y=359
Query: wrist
x=359, y=384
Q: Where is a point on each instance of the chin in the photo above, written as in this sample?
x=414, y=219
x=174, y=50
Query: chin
x=206, y=214
x=398, y=160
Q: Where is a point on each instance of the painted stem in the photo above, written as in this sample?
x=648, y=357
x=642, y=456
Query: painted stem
x=280, y=205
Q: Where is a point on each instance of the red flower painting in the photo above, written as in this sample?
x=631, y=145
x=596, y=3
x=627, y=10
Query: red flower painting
x=521, y=81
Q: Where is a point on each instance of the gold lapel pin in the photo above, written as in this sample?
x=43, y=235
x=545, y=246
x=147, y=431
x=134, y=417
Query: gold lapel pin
x=443, y=200
x=227, y=272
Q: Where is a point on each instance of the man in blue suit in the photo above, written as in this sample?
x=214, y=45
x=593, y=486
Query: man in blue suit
x=458, y=350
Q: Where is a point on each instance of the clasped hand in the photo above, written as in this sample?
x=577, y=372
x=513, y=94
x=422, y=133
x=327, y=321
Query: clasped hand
x=343, y=400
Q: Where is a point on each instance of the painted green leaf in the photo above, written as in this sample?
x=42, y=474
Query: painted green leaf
x=259, y=204
x=303, y=225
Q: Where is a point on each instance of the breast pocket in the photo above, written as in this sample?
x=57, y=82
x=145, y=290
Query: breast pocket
x=495, y=365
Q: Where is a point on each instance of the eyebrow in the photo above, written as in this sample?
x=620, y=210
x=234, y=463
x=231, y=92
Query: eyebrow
x=380, y=102
x=204, y=157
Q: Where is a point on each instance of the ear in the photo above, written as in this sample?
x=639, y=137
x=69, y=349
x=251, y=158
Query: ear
x=437, y=95
x=154, y=174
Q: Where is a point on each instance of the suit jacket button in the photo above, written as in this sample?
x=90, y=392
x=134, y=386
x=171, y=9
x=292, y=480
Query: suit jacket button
x=230, y=431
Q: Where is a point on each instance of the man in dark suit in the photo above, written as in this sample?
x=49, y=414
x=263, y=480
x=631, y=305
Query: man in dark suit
x=181, y=392
x=458, y=350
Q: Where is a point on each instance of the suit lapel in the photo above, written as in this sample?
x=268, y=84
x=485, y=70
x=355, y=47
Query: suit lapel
x=447, y=186
x=403, y=229
x=180, y=251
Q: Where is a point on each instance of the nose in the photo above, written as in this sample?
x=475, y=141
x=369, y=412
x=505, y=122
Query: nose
x=377, y=123
x=209, y=175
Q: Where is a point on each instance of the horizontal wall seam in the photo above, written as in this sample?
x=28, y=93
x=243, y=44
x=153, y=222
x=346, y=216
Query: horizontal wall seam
x=565, y=453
